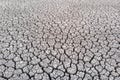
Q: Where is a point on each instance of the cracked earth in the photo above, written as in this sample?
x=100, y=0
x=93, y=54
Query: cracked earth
x=59, y=40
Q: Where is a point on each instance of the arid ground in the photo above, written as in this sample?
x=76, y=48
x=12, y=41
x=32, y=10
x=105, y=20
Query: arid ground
x=59, y=39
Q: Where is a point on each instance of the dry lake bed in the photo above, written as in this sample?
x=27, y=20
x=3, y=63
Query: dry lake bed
x=59, y=39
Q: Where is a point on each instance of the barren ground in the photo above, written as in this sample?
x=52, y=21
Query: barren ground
x=59, y=40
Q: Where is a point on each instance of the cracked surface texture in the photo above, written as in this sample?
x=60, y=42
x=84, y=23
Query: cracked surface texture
x=59, y=40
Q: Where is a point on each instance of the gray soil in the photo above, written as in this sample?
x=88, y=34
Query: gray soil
x=59, y=40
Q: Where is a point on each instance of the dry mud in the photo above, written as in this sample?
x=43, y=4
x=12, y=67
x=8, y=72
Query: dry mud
x=59, y=40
